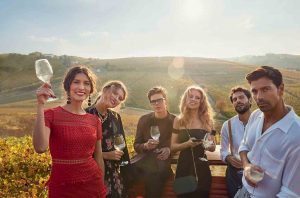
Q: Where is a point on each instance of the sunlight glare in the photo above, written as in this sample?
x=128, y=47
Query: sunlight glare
x=193, y=9
x=176, y=68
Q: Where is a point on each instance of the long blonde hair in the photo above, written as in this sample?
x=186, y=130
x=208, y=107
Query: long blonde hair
x=205, y=111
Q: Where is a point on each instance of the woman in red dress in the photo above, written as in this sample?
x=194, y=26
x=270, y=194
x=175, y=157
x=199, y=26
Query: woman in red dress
x=74, y=138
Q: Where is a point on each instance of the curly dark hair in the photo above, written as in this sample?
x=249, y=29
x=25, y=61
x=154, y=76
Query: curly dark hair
x=239, y=89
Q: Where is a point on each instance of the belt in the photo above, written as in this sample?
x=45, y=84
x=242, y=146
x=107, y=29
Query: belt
x=67, y=161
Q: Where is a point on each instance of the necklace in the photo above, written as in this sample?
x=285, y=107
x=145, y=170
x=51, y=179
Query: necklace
x=102, y=117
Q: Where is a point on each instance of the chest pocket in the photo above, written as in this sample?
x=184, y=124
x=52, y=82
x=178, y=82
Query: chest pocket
x=272, y=166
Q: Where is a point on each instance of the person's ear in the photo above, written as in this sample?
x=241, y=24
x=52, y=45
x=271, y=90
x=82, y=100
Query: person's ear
x=281, y=89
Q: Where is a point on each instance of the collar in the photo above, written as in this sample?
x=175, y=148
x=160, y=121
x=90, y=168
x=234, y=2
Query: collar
x=285, y=123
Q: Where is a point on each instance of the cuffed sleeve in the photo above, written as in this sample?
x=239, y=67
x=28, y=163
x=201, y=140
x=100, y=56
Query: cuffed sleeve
x=291, y=176
x=224, y=150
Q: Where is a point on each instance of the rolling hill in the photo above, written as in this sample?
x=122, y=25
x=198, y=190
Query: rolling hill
x=18, y=81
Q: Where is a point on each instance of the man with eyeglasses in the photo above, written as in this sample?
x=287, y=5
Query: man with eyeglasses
x=153, y=152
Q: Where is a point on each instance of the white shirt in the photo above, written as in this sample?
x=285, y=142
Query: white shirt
x=277, y=152
x=237, y=130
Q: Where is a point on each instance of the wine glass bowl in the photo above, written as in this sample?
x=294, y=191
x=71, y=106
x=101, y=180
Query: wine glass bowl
x=43, y=70
x=119, y=142
x=207, y=142
x=256, y=175
x=154, y=132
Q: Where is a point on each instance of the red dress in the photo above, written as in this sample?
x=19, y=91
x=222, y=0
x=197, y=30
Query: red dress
x=74, y=172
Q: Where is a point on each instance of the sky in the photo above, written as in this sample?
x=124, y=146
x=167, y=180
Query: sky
x=138, y=28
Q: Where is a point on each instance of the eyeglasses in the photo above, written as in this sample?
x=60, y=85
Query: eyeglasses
x=157, y=101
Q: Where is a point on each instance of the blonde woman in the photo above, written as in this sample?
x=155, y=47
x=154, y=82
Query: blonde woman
x=190, y=127
x=113, y=93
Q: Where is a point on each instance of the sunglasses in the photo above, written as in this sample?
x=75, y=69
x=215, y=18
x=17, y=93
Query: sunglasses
x=157, y=101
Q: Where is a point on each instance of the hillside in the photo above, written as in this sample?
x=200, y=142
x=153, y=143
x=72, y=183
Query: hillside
x=18, y=81
x=279, y=60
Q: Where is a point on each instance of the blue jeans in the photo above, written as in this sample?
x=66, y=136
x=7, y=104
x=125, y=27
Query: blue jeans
x=233, y=180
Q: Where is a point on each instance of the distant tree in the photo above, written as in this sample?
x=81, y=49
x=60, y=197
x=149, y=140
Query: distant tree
x=220, y=106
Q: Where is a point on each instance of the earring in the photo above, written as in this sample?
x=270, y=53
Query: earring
x=69, y=99
x=89, y=101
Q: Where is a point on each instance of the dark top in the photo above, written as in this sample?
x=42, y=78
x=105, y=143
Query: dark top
x=185, y=165
x=111, y=126
x=165, y=126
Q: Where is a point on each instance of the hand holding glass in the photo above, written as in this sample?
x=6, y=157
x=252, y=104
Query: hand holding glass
x=206, y=144
x=119, y=144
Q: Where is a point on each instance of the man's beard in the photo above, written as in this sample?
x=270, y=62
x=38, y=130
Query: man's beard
x=242, y=110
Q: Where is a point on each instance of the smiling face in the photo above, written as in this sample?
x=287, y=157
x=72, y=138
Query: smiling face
x=193, y=99
x=80, y=88
x=113, y=96
x=266, y=95
x=241, y=102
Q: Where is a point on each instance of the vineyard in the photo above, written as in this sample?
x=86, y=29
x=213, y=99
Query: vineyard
x=24, y=173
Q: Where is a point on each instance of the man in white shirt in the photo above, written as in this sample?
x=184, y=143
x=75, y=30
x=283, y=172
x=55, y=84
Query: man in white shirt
x=270, y=150
x=232, y=133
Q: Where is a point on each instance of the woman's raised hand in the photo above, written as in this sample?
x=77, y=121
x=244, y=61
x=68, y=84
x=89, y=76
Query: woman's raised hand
x=43, y=93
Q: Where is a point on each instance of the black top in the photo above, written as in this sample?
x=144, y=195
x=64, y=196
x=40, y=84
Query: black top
x=110, y=127
x=185, y=165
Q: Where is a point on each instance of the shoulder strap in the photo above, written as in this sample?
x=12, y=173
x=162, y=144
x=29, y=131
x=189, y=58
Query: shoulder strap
x=193, y=156
x=230, y=136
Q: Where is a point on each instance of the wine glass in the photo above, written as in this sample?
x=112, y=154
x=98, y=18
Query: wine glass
x=255, y=175
x=154, y=132
x=237, y=156
x=206, y=143
x=119, y=144
x=44, y=72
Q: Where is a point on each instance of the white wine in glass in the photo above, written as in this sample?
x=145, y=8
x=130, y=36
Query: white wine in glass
x=256, y=176
x=154, y=132
x=207, y=142
x=119, y=144
x=44, y=72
